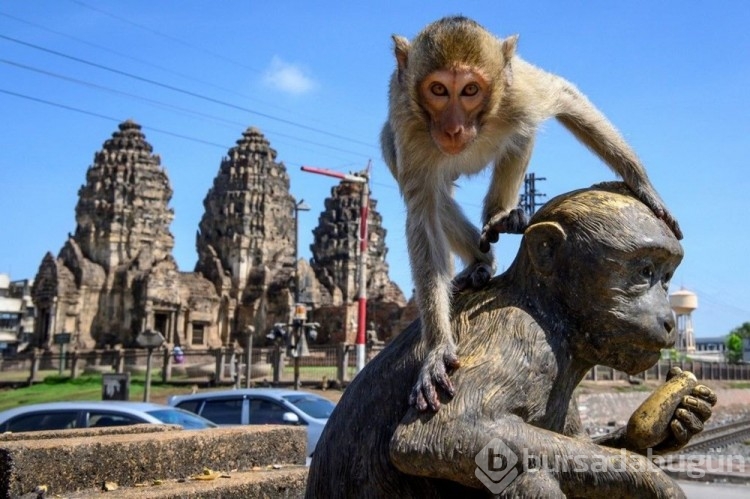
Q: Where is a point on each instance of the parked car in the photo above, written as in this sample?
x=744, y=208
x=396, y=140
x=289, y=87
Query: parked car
x=261, y=406
x=96, y=414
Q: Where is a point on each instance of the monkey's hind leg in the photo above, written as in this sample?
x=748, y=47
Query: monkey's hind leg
x=513, y=222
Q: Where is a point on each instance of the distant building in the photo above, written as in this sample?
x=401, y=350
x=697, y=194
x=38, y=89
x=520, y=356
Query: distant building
x=115, y=276
x=711, y=349
x=16, y=314
x=714, y=348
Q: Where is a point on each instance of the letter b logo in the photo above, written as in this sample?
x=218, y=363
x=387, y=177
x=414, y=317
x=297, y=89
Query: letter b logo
x=496, y=466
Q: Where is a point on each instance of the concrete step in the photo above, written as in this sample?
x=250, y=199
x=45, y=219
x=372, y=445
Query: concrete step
x=82, y=460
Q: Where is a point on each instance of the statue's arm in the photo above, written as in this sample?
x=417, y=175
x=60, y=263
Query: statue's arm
x=447, y=448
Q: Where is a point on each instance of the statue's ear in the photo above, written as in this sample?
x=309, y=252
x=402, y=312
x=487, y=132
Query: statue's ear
x=543, y=242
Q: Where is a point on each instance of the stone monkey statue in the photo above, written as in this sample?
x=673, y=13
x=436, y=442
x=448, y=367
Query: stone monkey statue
x=588, y=287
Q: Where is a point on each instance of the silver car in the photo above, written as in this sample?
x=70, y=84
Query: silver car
x=95, y=414
x=261, y=406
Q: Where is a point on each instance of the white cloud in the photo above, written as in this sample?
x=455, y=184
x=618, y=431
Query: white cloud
x=287, y=77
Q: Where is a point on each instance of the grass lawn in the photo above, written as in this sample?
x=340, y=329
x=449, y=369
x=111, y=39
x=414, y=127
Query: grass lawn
x=88, y=387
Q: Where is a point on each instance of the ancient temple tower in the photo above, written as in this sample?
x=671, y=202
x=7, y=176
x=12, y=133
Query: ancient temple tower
x=335, y=252
x=123, y=209
x=115, y=276
x=246, y=239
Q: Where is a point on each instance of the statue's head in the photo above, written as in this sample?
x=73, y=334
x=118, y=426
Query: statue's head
x=603, y=260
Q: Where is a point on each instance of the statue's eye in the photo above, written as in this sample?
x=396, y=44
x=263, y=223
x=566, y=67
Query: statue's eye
x=438, y=89
x=647, y=272
x=471, y=90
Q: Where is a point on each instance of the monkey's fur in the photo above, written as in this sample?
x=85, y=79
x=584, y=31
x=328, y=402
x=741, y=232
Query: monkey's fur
x=461, y=99
x=588, y=287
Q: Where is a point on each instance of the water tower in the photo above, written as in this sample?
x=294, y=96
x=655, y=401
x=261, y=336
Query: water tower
x=683, y=302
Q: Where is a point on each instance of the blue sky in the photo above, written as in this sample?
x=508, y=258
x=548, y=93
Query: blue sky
x=673, y=76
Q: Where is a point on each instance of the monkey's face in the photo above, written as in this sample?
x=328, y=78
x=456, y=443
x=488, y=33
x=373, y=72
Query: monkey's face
x=453, y=100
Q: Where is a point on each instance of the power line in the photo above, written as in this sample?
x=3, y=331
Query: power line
x=144, y=62
x=172, y=107
x=119, y=120
x=110, y=118
x=183, y=91
x=164, y=35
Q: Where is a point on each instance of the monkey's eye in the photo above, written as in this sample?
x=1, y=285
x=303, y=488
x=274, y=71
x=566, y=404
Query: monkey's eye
x=471, y=90
x=438, y=89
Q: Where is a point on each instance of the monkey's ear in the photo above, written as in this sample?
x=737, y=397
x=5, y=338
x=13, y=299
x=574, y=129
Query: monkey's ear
x=508, y=50
x=543, y=241
x=509, y=47
x=401, y=49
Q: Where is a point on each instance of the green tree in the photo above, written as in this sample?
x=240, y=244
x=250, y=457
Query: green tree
x=743, y=331
x=734, y=348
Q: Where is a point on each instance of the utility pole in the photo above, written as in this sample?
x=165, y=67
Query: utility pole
x=300, y=311
x=300, y=206
x=528, y=199
x=363, y=179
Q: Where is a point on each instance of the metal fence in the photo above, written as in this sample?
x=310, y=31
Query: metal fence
x=324, y=366
x=702, y=370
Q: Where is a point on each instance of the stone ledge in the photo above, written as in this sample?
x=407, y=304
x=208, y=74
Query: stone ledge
x=88, y=432
x=67, y=465
x=287, y=482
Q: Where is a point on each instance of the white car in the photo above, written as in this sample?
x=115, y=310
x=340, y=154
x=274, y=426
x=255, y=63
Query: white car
x=261, y=406
x=96, y=414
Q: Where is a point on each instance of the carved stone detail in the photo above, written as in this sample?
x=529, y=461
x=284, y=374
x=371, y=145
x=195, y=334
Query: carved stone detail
x=335, y=252
x=116, y=275
x=247, y=235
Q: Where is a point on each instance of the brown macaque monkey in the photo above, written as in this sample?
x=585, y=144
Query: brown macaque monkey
x=460, y=99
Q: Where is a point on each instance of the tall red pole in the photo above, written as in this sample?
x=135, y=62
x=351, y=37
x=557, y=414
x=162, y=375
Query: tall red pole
x=363, y=240
x=363, y=237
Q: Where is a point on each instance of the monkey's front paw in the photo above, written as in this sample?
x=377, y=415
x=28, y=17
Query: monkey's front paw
x=513, y=222
x=475, y=276
x=440, y=362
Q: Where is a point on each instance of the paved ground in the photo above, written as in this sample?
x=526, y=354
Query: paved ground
x=698, y=490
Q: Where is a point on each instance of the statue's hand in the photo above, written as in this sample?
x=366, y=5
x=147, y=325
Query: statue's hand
x=671, y=415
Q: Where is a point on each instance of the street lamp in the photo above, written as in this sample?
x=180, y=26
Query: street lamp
x=249, y=330
x=149, y=339
x=301, y=206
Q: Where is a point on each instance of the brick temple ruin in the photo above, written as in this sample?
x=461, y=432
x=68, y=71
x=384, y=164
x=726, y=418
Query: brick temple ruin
x=115, y=276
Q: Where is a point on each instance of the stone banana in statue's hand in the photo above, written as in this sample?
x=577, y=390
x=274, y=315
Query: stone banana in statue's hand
x=671, y=415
